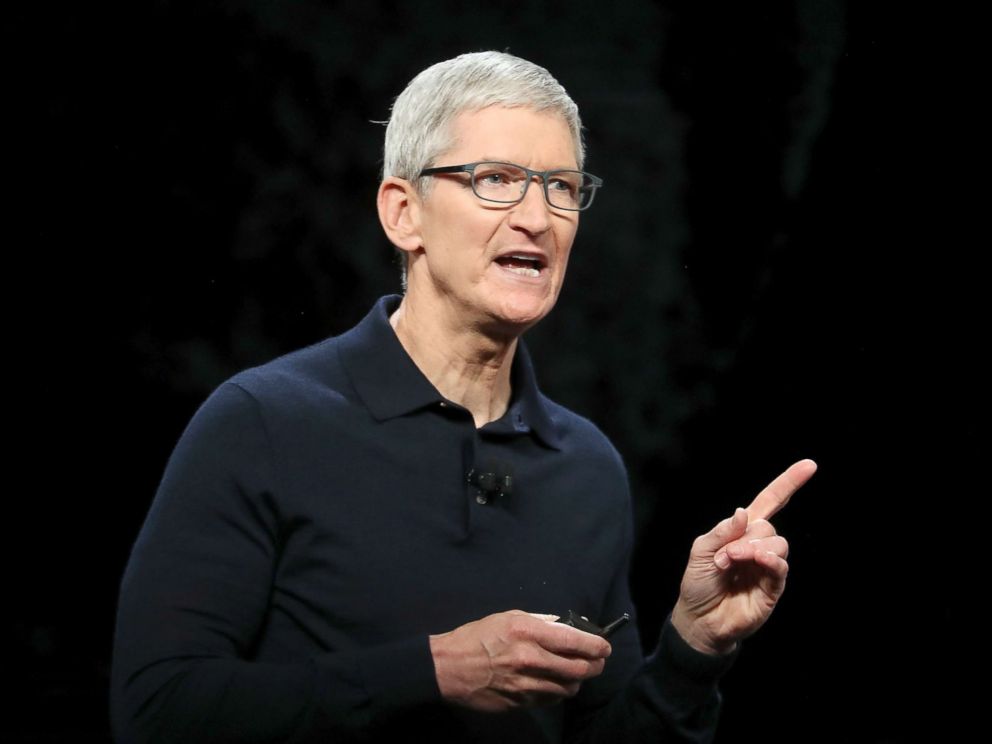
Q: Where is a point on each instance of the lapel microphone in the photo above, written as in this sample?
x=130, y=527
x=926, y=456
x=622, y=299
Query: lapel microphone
x=492, y=482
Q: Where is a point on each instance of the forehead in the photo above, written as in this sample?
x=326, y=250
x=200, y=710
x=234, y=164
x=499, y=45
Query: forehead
x=537, y=139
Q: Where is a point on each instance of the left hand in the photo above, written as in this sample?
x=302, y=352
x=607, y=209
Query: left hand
x=737, y=571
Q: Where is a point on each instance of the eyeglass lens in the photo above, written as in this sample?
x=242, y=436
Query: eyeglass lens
x=503, y=182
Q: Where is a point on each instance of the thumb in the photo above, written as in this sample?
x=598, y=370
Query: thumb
x=711, y=545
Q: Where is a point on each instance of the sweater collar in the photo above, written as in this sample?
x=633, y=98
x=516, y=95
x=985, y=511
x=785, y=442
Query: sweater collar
x=390, y=384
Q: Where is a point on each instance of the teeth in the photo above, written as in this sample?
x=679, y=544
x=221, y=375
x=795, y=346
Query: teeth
x=524, y=271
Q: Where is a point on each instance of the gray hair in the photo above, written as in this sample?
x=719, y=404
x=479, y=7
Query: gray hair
x=419, y=128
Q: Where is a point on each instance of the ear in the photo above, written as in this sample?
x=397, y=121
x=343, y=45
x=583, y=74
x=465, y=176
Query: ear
x=399, y=213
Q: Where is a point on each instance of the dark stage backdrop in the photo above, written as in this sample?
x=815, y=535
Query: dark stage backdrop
x=195, y=194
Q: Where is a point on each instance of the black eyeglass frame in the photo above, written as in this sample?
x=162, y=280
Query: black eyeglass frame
x=594, y=181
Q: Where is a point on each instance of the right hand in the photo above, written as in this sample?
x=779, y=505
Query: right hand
x=515, y=659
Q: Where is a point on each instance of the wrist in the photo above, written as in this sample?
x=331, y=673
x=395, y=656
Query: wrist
x=695, y=634
x=439, y=655
x=449, y=668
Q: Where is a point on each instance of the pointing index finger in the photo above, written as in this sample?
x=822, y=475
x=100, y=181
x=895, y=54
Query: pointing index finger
x=777, y=493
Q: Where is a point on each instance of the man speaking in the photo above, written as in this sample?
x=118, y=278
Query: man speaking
x=375, y=537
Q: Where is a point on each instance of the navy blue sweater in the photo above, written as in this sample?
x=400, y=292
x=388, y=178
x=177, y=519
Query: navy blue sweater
x=315, y=524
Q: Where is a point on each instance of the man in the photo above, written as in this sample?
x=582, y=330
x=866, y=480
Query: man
x=373, y=537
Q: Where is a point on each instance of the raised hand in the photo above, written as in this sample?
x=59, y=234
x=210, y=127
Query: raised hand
x=737, y=570
x=513, y=659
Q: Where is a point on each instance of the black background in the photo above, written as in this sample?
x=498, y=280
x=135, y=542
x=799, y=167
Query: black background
x=768, y=274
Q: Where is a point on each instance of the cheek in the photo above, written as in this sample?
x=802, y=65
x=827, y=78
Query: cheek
x=469, y=229
x=566, y=239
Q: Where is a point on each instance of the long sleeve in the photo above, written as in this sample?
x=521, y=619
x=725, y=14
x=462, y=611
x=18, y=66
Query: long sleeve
x=194, y=602
x=671, y=696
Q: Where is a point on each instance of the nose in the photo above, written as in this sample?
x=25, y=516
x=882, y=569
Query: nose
x=532, y=213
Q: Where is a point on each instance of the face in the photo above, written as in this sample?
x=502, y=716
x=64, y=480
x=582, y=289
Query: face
x=496, y=267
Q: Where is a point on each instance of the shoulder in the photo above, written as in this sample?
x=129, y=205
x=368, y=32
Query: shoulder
x=317, y=377
x=284, y=396
x=313, y=371
x=297, y=382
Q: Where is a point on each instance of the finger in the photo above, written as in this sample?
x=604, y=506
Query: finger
x=564, y=640
x=538, y=615
x=777, y=493
x=539, y=691
x=567, y=690
x=743, y=550
x=729, y=529
x=565, y=670
x=775, y=544
x=530, y=660
x=557, y=637
x=759, y=528
x=776, y=571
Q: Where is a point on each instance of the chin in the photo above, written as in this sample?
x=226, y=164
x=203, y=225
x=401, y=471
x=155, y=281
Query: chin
x=516, y=318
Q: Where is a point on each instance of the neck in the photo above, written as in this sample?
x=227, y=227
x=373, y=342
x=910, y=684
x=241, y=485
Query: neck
x=467, y=366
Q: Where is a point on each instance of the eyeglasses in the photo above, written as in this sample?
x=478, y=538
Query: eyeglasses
x=507, y=183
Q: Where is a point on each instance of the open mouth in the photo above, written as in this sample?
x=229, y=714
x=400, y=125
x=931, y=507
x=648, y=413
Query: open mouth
x=521, y=264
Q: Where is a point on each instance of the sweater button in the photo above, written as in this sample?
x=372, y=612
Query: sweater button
x=482, y=499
